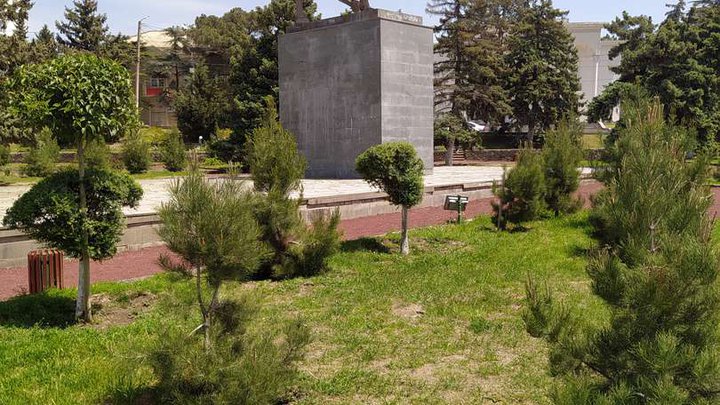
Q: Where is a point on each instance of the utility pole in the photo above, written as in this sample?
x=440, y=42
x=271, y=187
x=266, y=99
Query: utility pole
x=137, y=66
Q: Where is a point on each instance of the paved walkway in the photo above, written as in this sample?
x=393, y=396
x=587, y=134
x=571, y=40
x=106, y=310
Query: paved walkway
x=129, y=265
x=155, y=191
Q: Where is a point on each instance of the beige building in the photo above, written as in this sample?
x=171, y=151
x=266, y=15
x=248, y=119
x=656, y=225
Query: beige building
x=594, y=64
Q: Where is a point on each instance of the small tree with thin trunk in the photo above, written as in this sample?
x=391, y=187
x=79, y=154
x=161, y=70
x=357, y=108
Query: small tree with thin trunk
x=81, y=99
x=212, y=227
x=396, y=169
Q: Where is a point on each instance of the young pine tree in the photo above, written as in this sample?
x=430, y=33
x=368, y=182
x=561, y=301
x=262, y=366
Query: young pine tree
x=277, y=169
x=522, y=191
x=657, y=274
x=196, y=226
x=562, y=155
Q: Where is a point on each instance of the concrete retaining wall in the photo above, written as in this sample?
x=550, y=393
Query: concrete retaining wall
x=508, y=155
x=141, y=229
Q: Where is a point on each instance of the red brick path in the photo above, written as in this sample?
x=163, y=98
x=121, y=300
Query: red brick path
x=129, y=265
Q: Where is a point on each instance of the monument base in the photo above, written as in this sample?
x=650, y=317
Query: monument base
x=355, y=81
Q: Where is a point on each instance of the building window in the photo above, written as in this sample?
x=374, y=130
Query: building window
x=155, y=87
x=157, y=82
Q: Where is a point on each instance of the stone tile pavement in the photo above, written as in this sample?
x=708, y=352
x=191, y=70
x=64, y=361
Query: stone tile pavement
x=156, y=190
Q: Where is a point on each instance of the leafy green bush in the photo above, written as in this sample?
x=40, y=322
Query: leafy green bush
x=395, y=168
x=521, y=192
x=136, y=154
x=213, y=162
x=174, y=154
x=4, y=155
x=238, y=367
x=562, y=154
x=43, y=157
x=49, y=212
x=98, y=155
x=155, y=136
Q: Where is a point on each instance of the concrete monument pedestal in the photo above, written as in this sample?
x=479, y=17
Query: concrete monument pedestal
x=355, y=81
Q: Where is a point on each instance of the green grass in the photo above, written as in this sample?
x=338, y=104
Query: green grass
x=592, y=141
x=442, y=325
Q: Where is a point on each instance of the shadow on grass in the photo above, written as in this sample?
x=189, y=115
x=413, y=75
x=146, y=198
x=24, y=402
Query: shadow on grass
x=580, y=251
x=128, y=394
x=364, y=245
x=51, y=309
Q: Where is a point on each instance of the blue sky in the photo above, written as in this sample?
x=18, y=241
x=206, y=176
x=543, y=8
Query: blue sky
x=123, y=14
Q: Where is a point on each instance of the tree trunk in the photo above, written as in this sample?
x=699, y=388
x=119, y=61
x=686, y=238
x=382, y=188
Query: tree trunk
x=82, y=306
x=405, y=240
x=450, y=150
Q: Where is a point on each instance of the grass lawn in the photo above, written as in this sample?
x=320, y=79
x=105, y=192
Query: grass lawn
x=592, y=141
x=442, y=325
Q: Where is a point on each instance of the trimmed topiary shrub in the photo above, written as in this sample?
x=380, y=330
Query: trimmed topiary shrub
x=49, y=212
x=396, y=169
x=136, y=154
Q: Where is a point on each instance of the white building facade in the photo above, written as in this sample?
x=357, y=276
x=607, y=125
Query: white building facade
x=594, y=63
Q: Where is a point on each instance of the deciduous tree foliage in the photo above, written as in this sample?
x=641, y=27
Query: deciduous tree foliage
x=542, y=65
x=50, y=211
x=396, y=169
x=81, y=99
x=657, y=273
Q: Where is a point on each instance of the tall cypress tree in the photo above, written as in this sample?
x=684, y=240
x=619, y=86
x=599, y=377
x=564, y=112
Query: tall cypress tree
x=543, y=68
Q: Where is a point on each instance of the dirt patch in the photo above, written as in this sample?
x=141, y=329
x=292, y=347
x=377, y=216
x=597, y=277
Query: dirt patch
x=119, y=312
x=411, y=312
x=430, y=372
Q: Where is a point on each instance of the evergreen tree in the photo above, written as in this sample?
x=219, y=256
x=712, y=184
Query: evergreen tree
x=453, y=85
x=45, y=45
x=543, y=65
x=15, y=50
x=676, y=61
x=85, y=29
x=247, y=43
x=199, y=106
x=562, y=154
x=277, y=169
x=522, y=191
x=657, y=273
